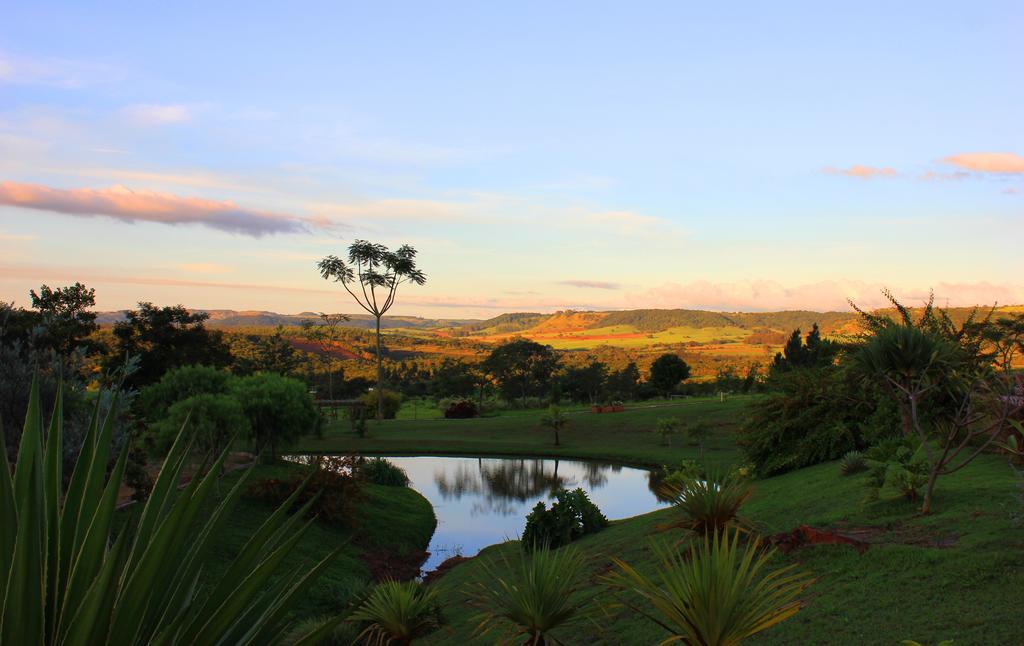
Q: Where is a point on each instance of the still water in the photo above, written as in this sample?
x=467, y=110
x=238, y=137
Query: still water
x=482, y=501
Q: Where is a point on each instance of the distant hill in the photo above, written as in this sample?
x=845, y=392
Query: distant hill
x=257, y=318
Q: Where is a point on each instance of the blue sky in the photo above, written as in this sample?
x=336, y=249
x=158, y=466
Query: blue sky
x=540, y=155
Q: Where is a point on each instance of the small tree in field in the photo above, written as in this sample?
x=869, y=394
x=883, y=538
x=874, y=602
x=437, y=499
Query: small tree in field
x=325, y=333
x=665, y=427
x=372, y=276
x=555, y=420
x=668, y=371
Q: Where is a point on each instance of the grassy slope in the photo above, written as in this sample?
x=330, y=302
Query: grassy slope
x=971, y=592
x=378, y=525
x=623, y=437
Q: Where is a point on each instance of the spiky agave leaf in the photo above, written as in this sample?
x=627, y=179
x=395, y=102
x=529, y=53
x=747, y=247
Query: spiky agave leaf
x=65, y=579
x=397, y=612
x=531, y=598
x=717, y=595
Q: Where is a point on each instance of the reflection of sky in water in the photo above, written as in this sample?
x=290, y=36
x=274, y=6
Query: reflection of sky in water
x=482, y=501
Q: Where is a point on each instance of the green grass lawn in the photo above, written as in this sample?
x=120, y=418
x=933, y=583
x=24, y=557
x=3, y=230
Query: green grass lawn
x=626, y=437
x=396, y=520
x=957, y=574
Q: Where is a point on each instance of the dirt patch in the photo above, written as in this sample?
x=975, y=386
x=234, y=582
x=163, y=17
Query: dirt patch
x=384, y=564
x=861, y=538
x=444, y=568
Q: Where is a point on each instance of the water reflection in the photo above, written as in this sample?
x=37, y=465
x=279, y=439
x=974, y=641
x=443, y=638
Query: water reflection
x=482, y=501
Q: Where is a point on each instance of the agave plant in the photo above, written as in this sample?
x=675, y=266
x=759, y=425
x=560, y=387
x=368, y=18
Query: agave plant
x=711, y=503
x=717, y=595
x=68, y=577
x=397, y=613
x=532, y=599
x=852, y=462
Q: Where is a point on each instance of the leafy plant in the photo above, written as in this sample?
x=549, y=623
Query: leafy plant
x=462, y=409
x=899, y=463
x=571, y=516
x=712, y=503
x=699, y=434
x=380, y=471
x=719, y=593
x=388, y=405
x=555, y=420
x=665, y=427
x=69, y=578
x=397, y=613
x=530, y=599
x=852, y=462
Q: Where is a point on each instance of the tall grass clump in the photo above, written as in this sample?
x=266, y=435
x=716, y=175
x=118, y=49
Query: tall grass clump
x=718, y=594
x=68, y=577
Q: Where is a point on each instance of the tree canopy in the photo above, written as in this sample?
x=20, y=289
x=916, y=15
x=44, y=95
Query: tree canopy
x=668, y=371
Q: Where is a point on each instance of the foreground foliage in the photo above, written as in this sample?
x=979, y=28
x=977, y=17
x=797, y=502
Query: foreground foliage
x=397, y=613
x=718, y=594
x=68, y=580
x=532, y=598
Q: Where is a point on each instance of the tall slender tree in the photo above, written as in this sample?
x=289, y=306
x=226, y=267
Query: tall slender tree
x=372, y=276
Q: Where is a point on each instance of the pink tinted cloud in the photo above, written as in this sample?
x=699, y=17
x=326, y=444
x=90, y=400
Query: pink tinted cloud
x=127, y=205
x=590, y=284
x=862, y=172
x=988, y=162
x=767, y=295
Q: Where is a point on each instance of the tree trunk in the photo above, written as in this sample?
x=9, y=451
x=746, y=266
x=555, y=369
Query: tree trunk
x=380, y=377
x=926, y=506
x=556, y=436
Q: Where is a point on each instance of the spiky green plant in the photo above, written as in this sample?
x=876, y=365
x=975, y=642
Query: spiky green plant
x=531, y=599
x=852, y=462
x=397, y=613
x=711, y=503
x=717, y=595
x=69, y=578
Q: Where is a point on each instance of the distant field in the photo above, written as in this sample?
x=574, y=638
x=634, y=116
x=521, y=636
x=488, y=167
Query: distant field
x=627, y=336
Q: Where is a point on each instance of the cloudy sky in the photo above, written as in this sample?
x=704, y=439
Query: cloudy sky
x=539, y=155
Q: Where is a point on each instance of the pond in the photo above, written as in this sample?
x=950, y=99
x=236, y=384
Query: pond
x=483, y=501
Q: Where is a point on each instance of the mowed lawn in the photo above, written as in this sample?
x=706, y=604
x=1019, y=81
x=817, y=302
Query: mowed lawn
x=957, y=574
x=627, y=437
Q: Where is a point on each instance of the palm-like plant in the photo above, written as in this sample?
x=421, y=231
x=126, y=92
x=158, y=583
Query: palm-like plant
x=397, y=613
x=372, y=276
x=67, y=577
x=532, y=598
x=710, y=503
x=719, y=595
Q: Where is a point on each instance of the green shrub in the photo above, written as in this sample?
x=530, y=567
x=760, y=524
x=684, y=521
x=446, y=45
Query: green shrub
x=214, y=419
x=814, y=415
x=392, y=403
x=179, y=384
x=571, y=515
x=852, y=462
x=898, y=463
x=279, y=409
x=380, y=471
